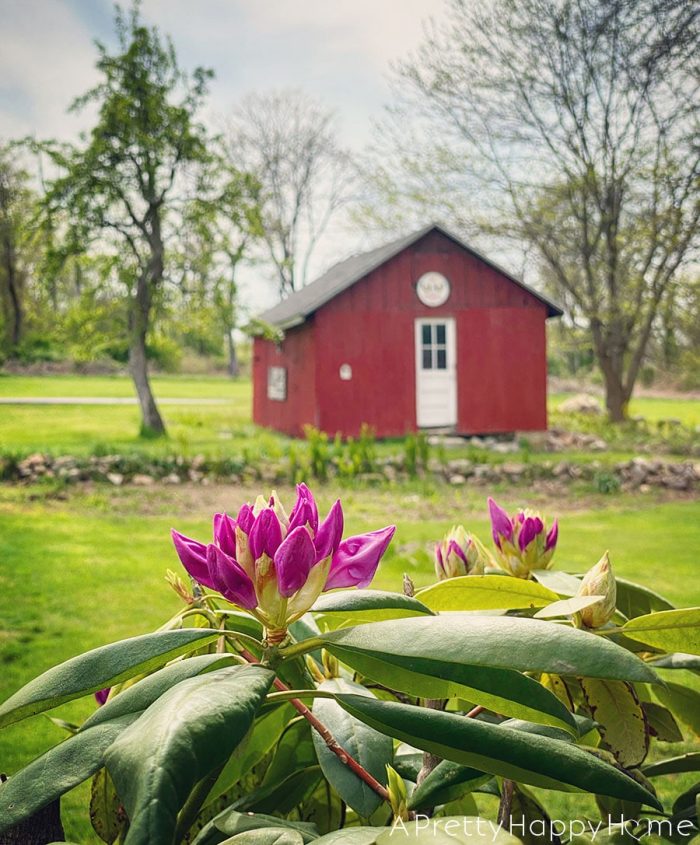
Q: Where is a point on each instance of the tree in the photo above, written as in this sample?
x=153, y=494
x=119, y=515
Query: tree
x=123, y=186
x=289, y=143
x=575, y=124
x=17, y=207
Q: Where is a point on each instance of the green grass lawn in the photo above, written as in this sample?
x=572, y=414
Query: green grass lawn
x=652, y=408
x=79, y=573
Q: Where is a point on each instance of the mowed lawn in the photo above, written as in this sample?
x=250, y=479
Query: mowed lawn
x=214, y=429
x=90, y=570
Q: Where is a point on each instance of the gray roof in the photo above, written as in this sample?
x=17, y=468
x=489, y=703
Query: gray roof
x=298, y=306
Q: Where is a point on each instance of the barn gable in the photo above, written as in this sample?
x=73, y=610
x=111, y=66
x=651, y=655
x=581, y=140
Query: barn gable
x=341, y=276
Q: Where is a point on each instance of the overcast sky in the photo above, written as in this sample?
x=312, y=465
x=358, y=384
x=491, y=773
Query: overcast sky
x=336, y=50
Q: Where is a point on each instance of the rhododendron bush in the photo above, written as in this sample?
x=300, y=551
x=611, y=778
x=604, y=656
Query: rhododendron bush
x=287, y=702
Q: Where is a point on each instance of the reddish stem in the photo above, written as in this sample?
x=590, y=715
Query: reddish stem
x=474, y=712
x=331, y=742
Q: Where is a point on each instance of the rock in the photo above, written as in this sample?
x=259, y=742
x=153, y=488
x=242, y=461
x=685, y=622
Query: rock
x=173, y=478
x=115, y=478
x=457, y=480
x=460, y=466
x=581, y=403
x=505, y=447
x=142, y=480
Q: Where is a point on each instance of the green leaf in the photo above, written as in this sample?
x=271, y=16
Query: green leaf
x=185, y=735
x=266, y=836
x=295, y=750
x=677, y=660
x=614, y=705
x=263, y=735
x=517, y=755
x=661, y=723
x=683, y=702
x=448, y=781
x=284, y=796
x=567, y=607
x=371, y=749
x=357, y=607
x=106, y=812
x=684, y=763
x=58, y=770
x=634, y=600
x=102, y=667
x=561, y=583
x=230, y=823
x=475, y=657
x=671, y=630
x=485, y=592
x=449, y=830
x=142, y=694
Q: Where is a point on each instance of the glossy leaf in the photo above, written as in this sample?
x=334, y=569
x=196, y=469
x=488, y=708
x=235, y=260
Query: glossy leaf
x=517, y=755
x=295, y=750
x=102, y=667
x=526, y=645
x=106, y=812
x=448, y=781
x=371, y=749
x=677, y=660
x=567, y=607
x=661, y=723
x=230, y=823
x=141, y=695
x=186, y=734
x=684, y=763
x=634, y=600
x=449, y=830
x=683, y=702
x=559, y=582
x=284, y=796
x=266, y=836
x=356, y=607
x=670, y=630
x=622, y=725
x=58, y=770
x=485, y=592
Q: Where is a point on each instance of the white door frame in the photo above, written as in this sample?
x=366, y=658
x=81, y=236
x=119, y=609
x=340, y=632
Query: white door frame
x=436, y=388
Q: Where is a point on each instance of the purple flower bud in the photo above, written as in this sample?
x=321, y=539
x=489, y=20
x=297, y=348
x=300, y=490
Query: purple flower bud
x=245, y=519
x=230, y=579
x=531, y=527
x=329, y=533
x=225, y=533
x=357, y=558
x=266, y=534
x=304, y=510
x=293, y=561
x=552, y=537
x=501, y=525
x=102, y=695
x=193, y=556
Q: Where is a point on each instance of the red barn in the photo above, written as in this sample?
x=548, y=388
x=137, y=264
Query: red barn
x=422, y=333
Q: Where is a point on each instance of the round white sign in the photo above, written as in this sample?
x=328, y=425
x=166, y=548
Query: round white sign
x=433, y=289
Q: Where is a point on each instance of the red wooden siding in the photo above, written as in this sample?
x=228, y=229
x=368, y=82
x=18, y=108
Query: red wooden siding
x=296, y=354
x=501, y=355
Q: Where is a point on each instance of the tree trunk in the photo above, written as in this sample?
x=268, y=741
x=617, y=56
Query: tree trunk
x=616, y=397
x=233, y=367
x=151, y=420
x=43, y=827
x=14, y=314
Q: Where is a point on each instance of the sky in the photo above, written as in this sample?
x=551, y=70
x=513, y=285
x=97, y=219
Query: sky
x=338, y=51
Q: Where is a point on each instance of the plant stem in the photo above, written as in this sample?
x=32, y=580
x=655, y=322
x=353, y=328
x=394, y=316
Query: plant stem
x=331, y=742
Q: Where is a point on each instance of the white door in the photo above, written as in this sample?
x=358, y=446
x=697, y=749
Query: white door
x=436, y=373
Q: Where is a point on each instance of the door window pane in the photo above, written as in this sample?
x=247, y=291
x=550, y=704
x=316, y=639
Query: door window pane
x=426, y=334
x=427, y=359
x=440, y=332
x=441, y=359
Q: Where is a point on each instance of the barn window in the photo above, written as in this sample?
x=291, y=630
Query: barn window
x=434, y=346
x=277, y=383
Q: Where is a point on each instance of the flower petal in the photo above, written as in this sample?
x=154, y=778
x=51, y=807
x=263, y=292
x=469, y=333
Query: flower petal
x=304, y=510
x=552, y=537
x=357, y=558
x=330, y=532
x=531, y=527
x=245, y=518
x=266, y=534
x=229, y=579
x=501, y=526
x=225, y=533
x=193, y=556
x=293, y=561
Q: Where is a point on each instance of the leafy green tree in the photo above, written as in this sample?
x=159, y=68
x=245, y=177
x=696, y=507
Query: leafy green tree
x=123, y=185
x=569, y=128
x=17, y=209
